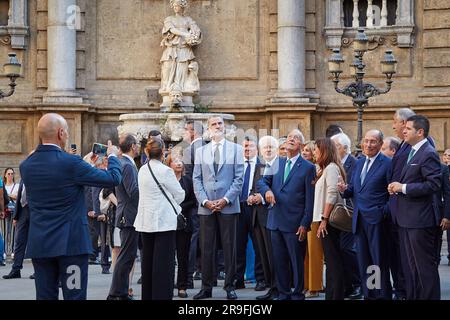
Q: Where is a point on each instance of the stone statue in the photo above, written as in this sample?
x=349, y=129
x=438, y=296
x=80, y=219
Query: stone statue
x=179, y=79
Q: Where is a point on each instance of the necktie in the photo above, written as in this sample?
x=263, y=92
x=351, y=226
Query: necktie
x=411, y=155
x=287, y=170
x=364, y=171
x=244, y=192
x=216, y=158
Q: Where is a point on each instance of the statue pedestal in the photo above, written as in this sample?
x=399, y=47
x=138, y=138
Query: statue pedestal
x=171, y=125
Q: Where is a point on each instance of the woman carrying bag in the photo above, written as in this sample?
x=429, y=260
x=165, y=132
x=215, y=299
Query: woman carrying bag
x=160, y=196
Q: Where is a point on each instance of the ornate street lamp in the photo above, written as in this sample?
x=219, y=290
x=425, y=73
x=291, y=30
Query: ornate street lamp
x=12, y=71
x=359, y=90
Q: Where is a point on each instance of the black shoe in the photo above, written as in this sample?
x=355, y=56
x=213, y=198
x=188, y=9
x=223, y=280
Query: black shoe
x=14, y=274
x=270, y=295
x=190, y=284
x=139, y=281
x=105, y=271
x=182, y=294
x=356, y=294
x=197, y=275
x=231, y=295
x=203, y=294
x=32, y=277
x=260, y=286
x=221, y=276
x=109, y=297
x=2, y=263
x=239, y=285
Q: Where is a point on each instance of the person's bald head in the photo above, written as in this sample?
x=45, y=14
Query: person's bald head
x=53, y=128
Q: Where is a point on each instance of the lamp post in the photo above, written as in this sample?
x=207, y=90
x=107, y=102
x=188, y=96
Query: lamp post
x=359, y=90
x=12, y=71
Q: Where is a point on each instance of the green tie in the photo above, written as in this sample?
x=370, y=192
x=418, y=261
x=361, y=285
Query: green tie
x=411, y=155
x=287, y=170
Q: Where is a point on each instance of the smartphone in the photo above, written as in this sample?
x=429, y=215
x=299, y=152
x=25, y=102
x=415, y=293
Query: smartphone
x=99, y=149
x=73, y=146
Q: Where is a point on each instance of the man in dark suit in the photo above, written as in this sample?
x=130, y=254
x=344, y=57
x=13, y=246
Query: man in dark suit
x=268, y=148
x=21, y=221
x=418, y=215
x=443, y=200
x=244, y=229
x=368, y=188
x=58, y=238
x=193, y=133
x=348, y=243
x=127, y=193
x=290, y=193
x=218, y=175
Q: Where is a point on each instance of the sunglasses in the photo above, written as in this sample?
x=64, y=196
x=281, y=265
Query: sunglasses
x=10, y=174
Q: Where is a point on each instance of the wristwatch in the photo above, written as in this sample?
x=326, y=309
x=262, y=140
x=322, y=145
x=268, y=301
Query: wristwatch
x=323, y=218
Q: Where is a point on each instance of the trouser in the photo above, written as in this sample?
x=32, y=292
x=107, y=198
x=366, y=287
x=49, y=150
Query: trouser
x=104, y=246
x=125, y=261
x=183, y=242
x=262, y=237
x=71, y=271
x=94, y=233
x=21, y=239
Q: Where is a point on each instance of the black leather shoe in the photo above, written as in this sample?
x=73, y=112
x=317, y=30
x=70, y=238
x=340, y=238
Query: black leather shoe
x=2, y=263
x=14, y=274
x=197, y=276
x=139, y=281
x=231, y=295
x=268, y=296
x=260, y=286
x=356, y=294
x=221, y=276
x=203, y=294
x=32, y=277
x=106, y=271
x=182, y=294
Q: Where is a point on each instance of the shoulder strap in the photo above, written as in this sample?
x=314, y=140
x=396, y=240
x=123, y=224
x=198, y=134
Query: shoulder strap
x=160, y=187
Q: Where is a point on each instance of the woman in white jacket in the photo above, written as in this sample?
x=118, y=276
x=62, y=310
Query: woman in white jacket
x=157, y=222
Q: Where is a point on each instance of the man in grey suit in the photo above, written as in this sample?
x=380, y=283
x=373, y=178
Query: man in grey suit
x=127, y=194
x=218, y=178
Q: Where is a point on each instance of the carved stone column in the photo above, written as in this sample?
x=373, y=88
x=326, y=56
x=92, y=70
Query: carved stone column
x=61, y=54
x=291, y=52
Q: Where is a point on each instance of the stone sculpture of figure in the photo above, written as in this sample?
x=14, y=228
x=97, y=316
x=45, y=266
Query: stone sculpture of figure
x=179, y=80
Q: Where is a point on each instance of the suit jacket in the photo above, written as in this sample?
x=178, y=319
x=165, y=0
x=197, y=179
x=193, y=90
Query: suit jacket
x=419, y=208
x=294, y=197
x=55, y=183
x=20, y=212
x=127, y=193
x=349, y=165
x=370, y=199
x=443, y=195
x=398, y=163
x=189, y=156
x=260, y=212
x=226, y=183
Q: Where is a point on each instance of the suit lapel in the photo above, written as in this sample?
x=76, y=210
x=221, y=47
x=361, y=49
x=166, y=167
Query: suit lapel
x=417, y=155
x=372, y=170
x=293, y=169
x=208, y=157
x=225, y=154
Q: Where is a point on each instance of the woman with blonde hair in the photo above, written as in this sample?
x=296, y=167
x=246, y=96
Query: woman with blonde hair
x=326, y=196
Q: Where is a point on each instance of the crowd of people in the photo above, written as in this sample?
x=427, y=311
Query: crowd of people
x=189, y=212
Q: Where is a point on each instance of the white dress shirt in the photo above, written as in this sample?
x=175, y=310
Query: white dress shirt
x=344, y=159
x=372, y=160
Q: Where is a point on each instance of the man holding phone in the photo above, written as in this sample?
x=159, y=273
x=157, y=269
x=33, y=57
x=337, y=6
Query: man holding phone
x=58, y=241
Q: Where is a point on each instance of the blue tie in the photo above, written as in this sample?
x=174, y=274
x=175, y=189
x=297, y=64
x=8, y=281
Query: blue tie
x=364, y=171
x=244, y=193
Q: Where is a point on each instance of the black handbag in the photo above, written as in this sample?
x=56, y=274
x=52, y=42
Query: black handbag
x=341, y=217
x=181, y=219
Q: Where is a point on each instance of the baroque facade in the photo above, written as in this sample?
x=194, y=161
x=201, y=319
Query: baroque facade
x=265, y=61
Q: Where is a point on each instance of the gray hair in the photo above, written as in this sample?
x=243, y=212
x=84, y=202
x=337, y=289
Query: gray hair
x=282, y=140
x=343, y=140
x=214, y=117
x=394, y=143
x=300, y=135
x=268, y=140
x=404, y=113
x=379, y=134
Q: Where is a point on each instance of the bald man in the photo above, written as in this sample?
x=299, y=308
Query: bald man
x=58, y=240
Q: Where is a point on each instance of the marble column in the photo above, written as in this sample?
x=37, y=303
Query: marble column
x=291, y=52
x=61, y=54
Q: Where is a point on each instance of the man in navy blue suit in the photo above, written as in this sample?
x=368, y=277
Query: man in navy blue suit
x=290, y=193
x=418, y=214
x=368, y=188
x=58, y=240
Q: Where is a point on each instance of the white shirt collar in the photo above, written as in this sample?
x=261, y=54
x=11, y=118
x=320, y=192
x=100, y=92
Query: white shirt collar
x=344, y=159
x=251, y=160
x=417, y=146
x=293, y=159
x=270, y=163
x=372, y=159
x=214, y=143
x=195, y=140
x=51, y=144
